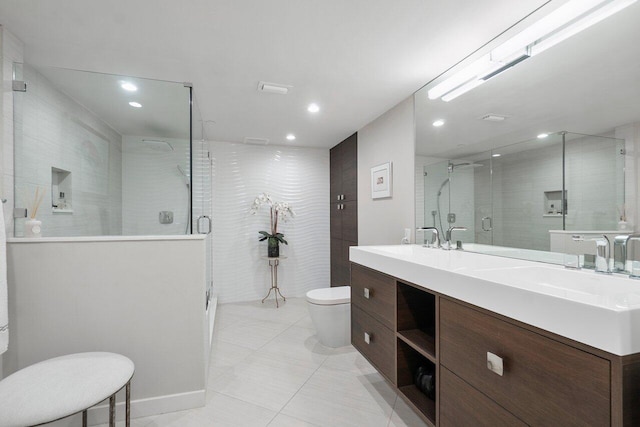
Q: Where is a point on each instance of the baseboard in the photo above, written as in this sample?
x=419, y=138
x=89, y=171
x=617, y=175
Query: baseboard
x=149, y=406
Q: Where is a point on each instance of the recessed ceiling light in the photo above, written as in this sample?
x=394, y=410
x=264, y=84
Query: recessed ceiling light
x=291, y=137
x=543, y=135
x=438, y=123
x=129, y=87
x=135, y=104
x=496, y=155
x=313, y=108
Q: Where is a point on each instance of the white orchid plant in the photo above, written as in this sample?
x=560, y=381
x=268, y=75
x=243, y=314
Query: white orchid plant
x=279, y=211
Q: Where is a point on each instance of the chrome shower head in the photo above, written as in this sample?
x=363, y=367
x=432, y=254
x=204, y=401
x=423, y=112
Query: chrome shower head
x=463, y=165
x=158, y=144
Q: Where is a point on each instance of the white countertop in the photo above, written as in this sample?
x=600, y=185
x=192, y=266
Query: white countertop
x=602, y=311
x=591, y=231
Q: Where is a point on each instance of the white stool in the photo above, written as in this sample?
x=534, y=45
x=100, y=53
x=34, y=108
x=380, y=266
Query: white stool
x=63, y=386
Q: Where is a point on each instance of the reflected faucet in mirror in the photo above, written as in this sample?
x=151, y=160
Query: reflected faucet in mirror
x=435, y=243
x=603, y=252
x=621, y=255
x=447, y=244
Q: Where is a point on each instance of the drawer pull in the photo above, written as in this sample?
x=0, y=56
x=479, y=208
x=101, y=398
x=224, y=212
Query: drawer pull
x=367, y=293
x=367, y=338
x=494, y=363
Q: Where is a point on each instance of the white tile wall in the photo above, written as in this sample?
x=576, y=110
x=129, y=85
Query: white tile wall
x=152, y=183
x=593, y=168
x=299, y=176
x=519, y=183
x=52, y=130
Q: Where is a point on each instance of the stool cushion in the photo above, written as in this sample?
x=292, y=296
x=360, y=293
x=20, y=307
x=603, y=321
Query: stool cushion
x=59, y=387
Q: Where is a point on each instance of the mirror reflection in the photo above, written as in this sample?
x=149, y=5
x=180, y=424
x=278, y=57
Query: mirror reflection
x=538, y=153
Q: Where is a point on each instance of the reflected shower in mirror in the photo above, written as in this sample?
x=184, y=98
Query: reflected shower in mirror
x=539, y=152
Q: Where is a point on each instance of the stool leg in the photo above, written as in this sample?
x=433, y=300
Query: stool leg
x=128, y=404
x=112, y=410
x=84, y=418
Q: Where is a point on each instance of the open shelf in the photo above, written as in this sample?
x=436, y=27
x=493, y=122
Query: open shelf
x=421, y=402
x=416, y=347
x=417, y=319
x=421, y=341
x=408, y=362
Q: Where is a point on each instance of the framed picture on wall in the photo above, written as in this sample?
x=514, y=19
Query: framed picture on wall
x=381, y=181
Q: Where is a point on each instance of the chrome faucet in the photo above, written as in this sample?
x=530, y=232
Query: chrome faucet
x=632, y=273
x=603, y=253
x=435, y=243
x=447, y=244
x=620, y=253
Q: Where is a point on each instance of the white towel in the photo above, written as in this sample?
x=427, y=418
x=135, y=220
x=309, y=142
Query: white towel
x=4, y=308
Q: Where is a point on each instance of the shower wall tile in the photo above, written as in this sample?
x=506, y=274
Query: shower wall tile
x=152, y=183
x=299, y=176
x=53, y=130
x=519, y=183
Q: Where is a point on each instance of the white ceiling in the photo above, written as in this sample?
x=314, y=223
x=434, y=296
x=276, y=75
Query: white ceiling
x=355, y=58
x=587, y=84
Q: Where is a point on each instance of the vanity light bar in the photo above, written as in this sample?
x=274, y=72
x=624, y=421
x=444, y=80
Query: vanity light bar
x=569, y=19
x=580, y=24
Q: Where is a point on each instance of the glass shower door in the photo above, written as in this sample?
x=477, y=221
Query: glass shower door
x=436, y=198
x=202, y=197
x=594, y=183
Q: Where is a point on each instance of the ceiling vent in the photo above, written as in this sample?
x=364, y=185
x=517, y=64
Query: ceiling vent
x=274, y=88
x=255, y=141
x=493, y=117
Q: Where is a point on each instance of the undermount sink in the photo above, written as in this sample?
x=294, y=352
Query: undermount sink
x=584, y=286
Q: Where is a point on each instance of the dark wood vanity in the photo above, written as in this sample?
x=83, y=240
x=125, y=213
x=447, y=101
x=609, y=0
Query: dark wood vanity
x=546, y=379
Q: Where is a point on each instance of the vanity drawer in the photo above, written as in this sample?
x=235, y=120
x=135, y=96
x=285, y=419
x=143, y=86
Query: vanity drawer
x=463, y=405
x=380, y=350
x=375, y=293
x=544, y=382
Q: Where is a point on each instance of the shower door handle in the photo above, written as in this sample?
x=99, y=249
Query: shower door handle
x=208, y=218
x=490, y=223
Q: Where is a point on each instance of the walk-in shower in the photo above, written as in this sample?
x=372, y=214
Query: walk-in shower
x=451, y=217
x=522, y=194
x=122, y=170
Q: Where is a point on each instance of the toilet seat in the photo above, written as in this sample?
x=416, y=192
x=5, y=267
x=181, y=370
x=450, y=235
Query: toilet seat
x=330, y=296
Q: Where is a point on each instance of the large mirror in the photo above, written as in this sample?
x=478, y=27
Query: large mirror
x=538, y=153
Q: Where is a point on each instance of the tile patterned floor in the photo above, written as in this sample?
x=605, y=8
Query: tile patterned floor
x=268, y=369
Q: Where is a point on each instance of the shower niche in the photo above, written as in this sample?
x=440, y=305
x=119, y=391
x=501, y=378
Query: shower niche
x=61, y=191
x=554, y=204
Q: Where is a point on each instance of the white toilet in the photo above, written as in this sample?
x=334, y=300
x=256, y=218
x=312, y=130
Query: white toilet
x=330, y=310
